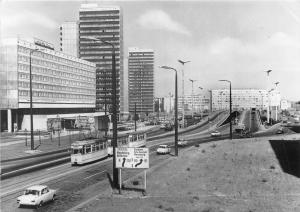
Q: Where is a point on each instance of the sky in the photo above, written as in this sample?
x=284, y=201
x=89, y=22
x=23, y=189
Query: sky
x=232, y=40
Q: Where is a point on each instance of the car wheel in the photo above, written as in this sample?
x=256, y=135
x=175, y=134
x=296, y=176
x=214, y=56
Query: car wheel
x=53, y=198
x=41, y=204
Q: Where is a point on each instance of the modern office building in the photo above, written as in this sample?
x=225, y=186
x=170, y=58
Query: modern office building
x=141, y=80
x=61, y=84
x=104, y=23
x=69, y=38
x=244, y=99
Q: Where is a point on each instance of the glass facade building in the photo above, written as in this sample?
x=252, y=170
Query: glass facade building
x=103, y=23
x=141, y=80
x=69, y=38
x=60, y=83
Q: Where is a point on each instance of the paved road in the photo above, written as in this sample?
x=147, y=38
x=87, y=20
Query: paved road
x=72, y=182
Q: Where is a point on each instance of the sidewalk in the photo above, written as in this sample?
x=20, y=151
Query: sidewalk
x=229, y=175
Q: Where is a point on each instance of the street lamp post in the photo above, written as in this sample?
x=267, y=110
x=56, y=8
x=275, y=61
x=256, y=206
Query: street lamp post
x=114, y=106
x=276, y=114
x=176, y=108
x=30, y=92
x=230, y=105
x=192, y=99
x=201, y=102
x=262, y=102
x=268, y=87
x=183, y=62
x=269, y=100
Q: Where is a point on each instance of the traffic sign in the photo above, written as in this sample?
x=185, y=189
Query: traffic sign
x=132, y=158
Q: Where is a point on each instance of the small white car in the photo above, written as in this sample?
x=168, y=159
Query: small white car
x=182, y=142
x=215, y=134
x=36, y=196
x=163, y=149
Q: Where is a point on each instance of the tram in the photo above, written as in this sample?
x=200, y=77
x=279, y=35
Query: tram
x=87, y=151
x=132, y=139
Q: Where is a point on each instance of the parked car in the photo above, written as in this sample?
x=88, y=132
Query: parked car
x=36, y=196
x=280, y=131
x=162, y=126
x=182, y=142
x=163, y=149
x=215, y=134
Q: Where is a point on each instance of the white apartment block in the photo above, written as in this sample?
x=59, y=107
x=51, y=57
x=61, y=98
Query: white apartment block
x=244, y=98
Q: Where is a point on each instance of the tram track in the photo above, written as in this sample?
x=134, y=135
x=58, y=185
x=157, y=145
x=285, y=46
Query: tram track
x=13, y=188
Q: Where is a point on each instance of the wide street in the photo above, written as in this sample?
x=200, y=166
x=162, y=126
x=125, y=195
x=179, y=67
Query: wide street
x=75, y=184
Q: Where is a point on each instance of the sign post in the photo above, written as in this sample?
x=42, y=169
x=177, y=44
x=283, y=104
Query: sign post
x=132, y=158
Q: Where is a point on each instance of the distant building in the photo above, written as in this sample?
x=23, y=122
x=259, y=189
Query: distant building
x=106, y=23
x=159, y=105
x=141, y=80
x=69, y=38
x=199, y=103
x=61, y=84
x=285, y=104
x=244, y=98
x=169, y=103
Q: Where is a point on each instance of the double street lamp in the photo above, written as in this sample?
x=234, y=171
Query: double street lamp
x=114, y=105
x=230, y=105
x=176, y=108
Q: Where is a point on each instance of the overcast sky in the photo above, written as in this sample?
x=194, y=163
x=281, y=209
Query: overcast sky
x=233, y=40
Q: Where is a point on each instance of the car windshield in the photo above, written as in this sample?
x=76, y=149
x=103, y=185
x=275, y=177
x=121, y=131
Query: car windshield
x=162, y=146
x=33, y=192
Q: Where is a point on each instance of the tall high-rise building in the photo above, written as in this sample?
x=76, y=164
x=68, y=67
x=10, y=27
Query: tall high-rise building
x=141, y=80
x=103, y=23
x=69, y=38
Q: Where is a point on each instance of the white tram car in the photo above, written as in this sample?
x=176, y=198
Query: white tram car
x=133, y=139
x=87, y=151
x=91, y=150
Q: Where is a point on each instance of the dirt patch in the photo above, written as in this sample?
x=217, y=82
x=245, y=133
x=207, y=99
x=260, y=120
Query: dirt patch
x=234, y=176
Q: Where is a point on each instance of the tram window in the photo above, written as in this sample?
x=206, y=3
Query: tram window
x=94, y=147
x=97, y=147
x=76, y=151
x=105, y=145
x=88, y=148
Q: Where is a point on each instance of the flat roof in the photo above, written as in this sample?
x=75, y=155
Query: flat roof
x=74, y=115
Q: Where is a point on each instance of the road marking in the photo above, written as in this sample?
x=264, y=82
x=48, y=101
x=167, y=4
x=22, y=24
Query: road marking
x=67, y=164
x=94, y=175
